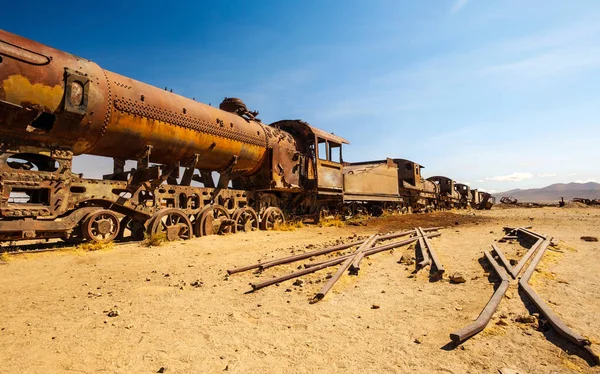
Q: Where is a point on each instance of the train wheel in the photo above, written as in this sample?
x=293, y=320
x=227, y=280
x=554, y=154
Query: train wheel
x=101, y=226
x=131, y=229
x=213, y=220
x=271, y=218
x=173, y=223
x=245, y=219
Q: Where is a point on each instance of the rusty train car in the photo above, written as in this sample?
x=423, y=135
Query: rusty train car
x=54, y=106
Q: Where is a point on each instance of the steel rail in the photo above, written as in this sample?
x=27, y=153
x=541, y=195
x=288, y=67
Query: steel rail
x=503, y=260
x=519, y=266
x=376, y=249
x=553, y=319
x=355, y=266
x=488, y=311
x=318, y=252
x=434, y=258
x=423, y=248
x=342, y=269
x=333, y=262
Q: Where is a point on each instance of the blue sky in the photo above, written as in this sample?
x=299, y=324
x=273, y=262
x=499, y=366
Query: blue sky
x=498, y=94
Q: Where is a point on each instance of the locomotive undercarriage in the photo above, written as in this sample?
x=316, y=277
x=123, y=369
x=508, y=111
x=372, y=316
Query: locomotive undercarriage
x=43, y=199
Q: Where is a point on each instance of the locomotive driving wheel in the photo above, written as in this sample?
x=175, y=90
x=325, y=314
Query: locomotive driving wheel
x=271, y=218
x=212, y=220
x=171, y=222
x=245, y=219
x=101, y=226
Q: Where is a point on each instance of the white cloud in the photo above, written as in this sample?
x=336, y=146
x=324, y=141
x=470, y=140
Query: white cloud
x=585, y=181
x=479, y=181
x=514, y=177
x=544, y=175
x=458, y=5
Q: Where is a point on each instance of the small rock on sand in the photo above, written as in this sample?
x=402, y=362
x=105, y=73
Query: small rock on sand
x=457, y=278
x=589, y=238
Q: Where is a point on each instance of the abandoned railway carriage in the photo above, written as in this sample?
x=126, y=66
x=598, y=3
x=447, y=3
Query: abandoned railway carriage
x=54, y=106
x=394, y=184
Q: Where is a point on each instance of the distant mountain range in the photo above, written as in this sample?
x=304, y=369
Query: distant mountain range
x=554, y=192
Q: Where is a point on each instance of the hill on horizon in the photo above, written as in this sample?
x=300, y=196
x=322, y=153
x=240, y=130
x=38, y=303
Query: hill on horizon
x=553, y=192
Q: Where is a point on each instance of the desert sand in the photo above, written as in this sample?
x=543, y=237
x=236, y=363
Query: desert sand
x=179, y=312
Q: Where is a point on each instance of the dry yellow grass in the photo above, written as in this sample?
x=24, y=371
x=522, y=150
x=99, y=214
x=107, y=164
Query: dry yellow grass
x=332, y=222
x=95, y=246
x=5, y=257
x=289, y=226
x=154, y=240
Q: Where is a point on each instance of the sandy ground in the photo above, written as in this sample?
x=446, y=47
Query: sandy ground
x=55, y=305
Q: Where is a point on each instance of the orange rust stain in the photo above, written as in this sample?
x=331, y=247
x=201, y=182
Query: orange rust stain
x=20, y=90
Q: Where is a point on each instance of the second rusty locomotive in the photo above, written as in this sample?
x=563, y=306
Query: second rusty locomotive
x=54, y=106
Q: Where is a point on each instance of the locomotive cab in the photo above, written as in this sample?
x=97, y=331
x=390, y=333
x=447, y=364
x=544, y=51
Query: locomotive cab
x=320, y=157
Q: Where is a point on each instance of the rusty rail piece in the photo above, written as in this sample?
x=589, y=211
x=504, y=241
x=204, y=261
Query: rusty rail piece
x=375, y=250
x=519, y=266
x=503, y=260
x=302, y=256
x=434, y=258
x=514, y=229
x=423, y=248
x=531, y=233
x=357, y=255
x=554, y=320
x=355, y=266
x=333, y=262
x=486, y=314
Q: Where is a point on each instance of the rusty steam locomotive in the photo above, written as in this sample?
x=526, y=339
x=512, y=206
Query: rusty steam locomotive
x=54, y=105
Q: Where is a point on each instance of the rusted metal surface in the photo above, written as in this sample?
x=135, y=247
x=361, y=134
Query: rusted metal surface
x=465, y=194
x=377, y=249
x=504, y=260
x=509, y=200
x=355, y=258
x=108, y=111
x=269, y=282
x=390, y=180
x=553, y=319
x=371, y=182
x=519, y=266
x=532, y=234
x=318, y=252
x=426, y=260
x=355, y=265
x=54, y=106
x=437, y=265
x=486, y=314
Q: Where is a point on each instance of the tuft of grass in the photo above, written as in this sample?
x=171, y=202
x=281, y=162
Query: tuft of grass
x=289, y=226
x=95, y=246
x=5, y=257
x=332, y=222
x=154, y=240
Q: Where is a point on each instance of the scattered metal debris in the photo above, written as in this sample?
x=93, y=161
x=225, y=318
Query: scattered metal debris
x=489, y=310
x=553, y=319
x=508, y=200
x=350, y=261
x=354, y=260
x=539, y=248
